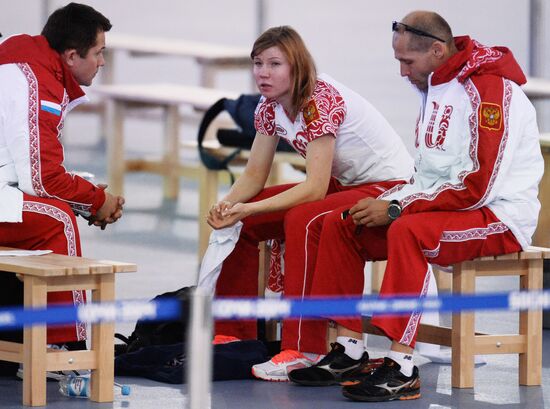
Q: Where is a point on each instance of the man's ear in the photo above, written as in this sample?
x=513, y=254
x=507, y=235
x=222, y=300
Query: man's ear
x=438, y=49
x=69, y=56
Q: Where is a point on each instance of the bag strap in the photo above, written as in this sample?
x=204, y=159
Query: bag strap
x=208, y=160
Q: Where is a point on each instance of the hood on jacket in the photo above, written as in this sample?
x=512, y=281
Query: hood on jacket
x=35, y=51
x=474, y=58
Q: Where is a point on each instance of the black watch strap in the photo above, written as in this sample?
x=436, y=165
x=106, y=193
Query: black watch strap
x=394, y=209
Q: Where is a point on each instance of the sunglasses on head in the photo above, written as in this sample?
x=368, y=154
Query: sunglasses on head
x=396, y=24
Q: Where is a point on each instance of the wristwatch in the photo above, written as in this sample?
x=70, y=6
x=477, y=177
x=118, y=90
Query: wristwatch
x=394, y=209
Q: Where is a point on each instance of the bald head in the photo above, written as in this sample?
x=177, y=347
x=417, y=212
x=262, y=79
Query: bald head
x=428, y=22
x=422, y=42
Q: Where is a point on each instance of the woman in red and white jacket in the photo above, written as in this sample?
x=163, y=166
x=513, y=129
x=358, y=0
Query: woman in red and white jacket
x=351, y=152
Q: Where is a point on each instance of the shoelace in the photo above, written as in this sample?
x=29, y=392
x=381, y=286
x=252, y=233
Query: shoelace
x=380, y=373
x=334, y=349
x=287, y=355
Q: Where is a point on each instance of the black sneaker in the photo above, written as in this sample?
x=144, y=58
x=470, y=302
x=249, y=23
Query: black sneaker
x=362, y=371
x=331, y=370
x=385, y=383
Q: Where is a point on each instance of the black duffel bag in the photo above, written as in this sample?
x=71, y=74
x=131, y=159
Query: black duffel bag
x=242, y=112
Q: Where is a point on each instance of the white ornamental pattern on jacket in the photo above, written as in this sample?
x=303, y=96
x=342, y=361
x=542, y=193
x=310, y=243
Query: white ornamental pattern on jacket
x=331, y=108
x=264, y=118
x=330, y=112
x=482, y=55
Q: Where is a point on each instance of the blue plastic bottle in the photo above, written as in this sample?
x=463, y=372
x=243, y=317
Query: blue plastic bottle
x=75, y=386
x=79, y=386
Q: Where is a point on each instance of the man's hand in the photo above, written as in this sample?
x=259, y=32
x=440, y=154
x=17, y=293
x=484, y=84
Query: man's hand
x=370, y=212
x=110, y=212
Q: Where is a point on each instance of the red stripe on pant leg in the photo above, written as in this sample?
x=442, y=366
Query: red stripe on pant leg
x=239, y=275
x=302, y=244
x=48, y=224
x=63, y=333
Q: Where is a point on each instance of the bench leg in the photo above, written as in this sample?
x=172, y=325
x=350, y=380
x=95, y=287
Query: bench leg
x=208, y=195
x=34, y=346
x=377, y=268
x=171, y=152
x=107, y=77
x=530, y=325
x=263, y=278
x=102, y=378
x=463, y=330
x=116, y=164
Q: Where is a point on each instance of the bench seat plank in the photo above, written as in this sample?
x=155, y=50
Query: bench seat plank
x=51, y=265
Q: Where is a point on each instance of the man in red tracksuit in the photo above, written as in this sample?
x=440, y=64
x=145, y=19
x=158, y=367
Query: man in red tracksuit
x=474, y=193
x=40, y=79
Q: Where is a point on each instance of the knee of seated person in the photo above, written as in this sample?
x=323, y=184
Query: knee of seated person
x=55, y=209
x=252, y=222
x=65, y=208
x=400, y=226
x=72, y=216
x=298, y=216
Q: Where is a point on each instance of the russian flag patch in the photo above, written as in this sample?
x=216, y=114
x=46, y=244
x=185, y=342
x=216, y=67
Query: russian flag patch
x=51, y=107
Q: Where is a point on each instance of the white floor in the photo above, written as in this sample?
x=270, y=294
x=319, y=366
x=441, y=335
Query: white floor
x=161, y=238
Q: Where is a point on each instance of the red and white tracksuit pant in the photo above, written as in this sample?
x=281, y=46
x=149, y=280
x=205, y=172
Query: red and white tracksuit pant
x=48, y=224
x=409, y=244
x=300, y=227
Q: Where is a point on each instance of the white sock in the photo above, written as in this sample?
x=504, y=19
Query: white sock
x=354, y=347
x=365, y=337
x=312, y=356
x=405, y=361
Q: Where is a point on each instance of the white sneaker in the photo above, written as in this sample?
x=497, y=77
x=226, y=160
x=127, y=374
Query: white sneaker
x=278, y=367
x=54, y=375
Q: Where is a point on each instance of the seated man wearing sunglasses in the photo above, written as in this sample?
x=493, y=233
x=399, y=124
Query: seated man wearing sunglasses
x=474, y=193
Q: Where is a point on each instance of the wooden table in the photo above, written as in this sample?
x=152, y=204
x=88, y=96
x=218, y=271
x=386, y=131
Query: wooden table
x=168, y=97
x=537, y=88
x=55, y=272
x=542, y=234
x=211, y=58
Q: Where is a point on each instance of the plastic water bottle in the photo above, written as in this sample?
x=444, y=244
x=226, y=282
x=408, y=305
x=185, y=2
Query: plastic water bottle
x=79, y=386
x=75, y=386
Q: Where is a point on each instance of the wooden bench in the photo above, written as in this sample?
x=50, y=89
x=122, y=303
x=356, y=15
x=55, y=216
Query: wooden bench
x=542, y=234
x=54, y=272
x=466, y=342
x=211, y=58
x=537, y=88
x=168, y=97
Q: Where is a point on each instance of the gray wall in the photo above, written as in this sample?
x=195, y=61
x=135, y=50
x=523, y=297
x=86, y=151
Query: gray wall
x=350, y=39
